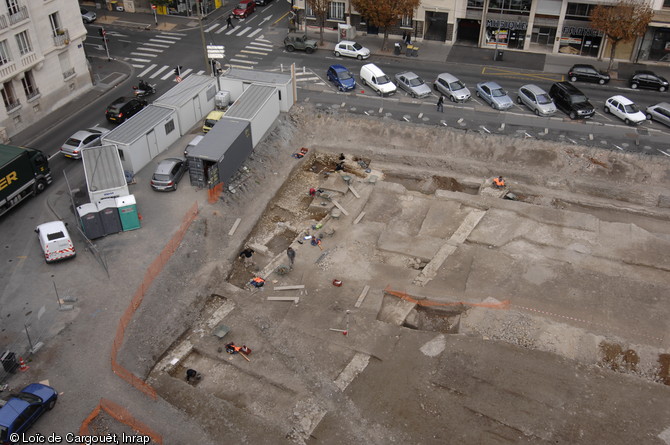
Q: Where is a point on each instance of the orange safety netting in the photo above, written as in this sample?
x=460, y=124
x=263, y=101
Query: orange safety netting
x=214, y=193
x=505, y=304
x=152, y=272
x=122, y=415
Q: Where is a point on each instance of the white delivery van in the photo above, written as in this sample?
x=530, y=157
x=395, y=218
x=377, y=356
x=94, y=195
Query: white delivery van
x=375, y=78
x=55, y=241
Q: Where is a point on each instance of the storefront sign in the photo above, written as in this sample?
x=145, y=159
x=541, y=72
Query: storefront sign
x=580, y=31
x=522, y=26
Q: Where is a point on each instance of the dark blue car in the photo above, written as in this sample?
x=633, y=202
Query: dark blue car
x=341, y=77
x=23, y=409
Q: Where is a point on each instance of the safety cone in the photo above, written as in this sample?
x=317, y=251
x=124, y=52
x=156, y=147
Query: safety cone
x=22, y=365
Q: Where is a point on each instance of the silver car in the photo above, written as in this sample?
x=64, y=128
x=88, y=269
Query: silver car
x=660, y=113
x=536, y=99
x=82, y=139
x=494, y=95
x=413, y=84
x=451, y=87
x=87, y=16
x=168, y=173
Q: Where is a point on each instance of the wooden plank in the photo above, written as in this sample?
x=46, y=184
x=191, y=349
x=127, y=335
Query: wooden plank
x=359, y=218
x=294, y=299
x=298, y=286
x=237, y=223
x=362, y=296
x=337, y=204
x=353, y=190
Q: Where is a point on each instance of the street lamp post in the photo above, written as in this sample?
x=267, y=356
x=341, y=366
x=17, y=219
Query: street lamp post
x=502, y=11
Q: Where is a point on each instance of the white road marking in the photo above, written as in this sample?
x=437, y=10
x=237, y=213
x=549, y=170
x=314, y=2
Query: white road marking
x=244, y=31
x=243, y=67
x=169, y=42
x=186, y=72
x=160, y=70
x=255, y=32
x=144, y=73
x=139, y=60
x=138, y=66
x=144, y=54
x=157, y=44
x=156, y=50
x=253, y=52
x=167, y=36
x=212, y=27
x=200, y=72
x=174, y=33
x=267, y=45
x=244, y=61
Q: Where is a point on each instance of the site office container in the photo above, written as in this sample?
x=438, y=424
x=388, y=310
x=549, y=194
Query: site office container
x=220, y=153
x=237, y=80
x=192, y=99
x=259, y=104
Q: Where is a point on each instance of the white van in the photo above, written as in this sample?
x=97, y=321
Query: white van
x=374, y=77
x=55, y=241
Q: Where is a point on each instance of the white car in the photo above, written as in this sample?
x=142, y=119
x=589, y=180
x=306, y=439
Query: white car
x=82, y=139
x=624, y=109
x=351, y=49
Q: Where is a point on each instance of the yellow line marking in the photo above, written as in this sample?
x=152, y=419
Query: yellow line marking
x=509, y=73
x=280, y=18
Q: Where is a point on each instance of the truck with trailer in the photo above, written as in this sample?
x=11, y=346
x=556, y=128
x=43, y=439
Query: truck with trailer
x=24, y=172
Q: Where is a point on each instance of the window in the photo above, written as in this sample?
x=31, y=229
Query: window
x=56, y=28
x=4, y=52
x=309, y=12
x=666, y=3
x=23, y=41
x=406, y=21
x=336, y=11
x=579, y=11
x=12, y=6
x=169, y=127
x=9, y=96
x=29, y=86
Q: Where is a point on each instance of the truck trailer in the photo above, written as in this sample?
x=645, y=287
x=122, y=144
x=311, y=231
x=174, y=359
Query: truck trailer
x=24, y=172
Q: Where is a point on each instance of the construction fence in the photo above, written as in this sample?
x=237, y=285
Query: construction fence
x=120, y=414
x=152, y=272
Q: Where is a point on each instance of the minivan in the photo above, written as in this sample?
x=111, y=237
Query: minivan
x=372, y=76
x=571, y=101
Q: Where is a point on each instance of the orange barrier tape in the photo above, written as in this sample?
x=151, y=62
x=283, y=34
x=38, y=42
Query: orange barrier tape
x=122, y=415
x=505, y=304
x=152, y=272
x=214, y=193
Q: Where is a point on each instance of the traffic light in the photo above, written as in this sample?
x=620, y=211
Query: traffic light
x=177, y=70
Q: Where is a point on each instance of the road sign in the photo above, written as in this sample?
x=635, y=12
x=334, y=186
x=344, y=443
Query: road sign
x=216, y=51
x=153, y=6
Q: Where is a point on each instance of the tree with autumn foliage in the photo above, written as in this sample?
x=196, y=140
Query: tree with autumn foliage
x=385, y=13
x=320, y=9
x=621, y=22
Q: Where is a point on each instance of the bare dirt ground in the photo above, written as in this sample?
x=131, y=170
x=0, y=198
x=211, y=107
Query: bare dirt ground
x=536, y=320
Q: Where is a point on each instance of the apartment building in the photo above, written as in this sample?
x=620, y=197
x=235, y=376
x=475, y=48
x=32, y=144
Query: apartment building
x=42, y=62
x=544, y=26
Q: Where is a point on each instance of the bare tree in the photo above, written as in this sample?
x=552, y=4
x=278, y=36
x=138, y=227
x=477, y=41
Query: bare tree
x=385, y=13
x=621, y=22
x=320, y=9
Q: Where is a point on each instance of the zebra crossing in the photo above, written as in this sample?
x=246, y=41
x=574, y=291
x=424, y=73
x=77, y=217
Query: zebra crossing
x=154, y=47
x=252, y=54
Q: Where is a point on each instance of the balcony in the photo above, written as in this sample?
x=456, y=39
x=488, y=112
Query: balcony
x=67, y=74
x=33, y=94
x=18, y=15
x=62, y=37
x=3, y=21
x=7, y=70
x=14, y=106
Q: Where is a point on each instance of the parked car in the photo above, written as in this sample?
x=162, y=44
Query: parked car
x=351, y=49
x=168, y=173
x=660, y=113
x=87, y=16
x=300, y=42
x=536, y=99
x=23, y=409
x=82, y=139
x=413, y=84
x=379, y=82
x=571, y=101
x=341, y=77
x=124, y=108
x=624, y=109
x=211, y=119
x=451, y=87
x=244, y=9
x=588, y=73
x=55, y=241
x=647, y=79
x=262, y=2
x=494, y=95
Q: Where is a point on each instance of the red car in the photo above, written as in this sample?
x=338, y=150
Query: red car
x=244, y=8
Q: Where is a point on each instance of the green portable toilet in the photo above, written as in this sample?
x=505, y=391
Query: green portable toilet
x=130, y=219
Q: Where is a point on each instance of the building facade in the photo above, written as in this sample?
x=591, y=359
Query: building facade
x=545, y=26
x=42, y=61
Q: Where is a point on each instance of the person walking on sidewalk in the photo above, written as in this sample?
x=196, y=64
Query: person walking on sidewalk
x=440, y=104
x=291, y=256
x=229, y=22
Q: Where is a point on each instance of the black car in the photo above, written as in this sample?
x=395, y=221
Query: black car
x=571, y=101
x=262, y=2
x=647, y=79
x=124, y=108
x=587, y=73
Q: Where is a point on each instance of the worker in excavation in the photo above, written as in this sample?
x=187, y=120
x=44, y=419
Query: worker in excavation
x=499, y=182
